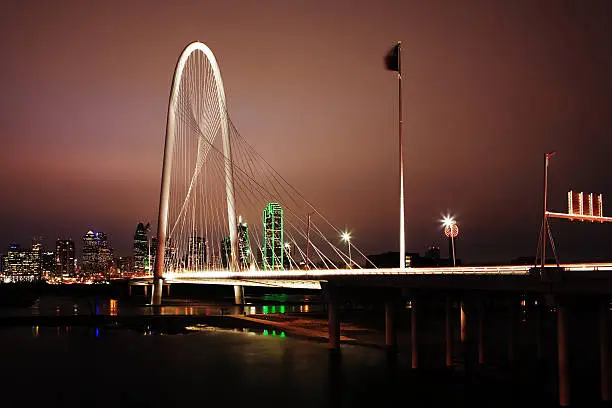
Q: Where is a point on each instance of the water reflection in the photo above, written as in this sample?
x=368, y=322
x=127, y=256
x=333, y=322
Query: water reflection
x=50, y=305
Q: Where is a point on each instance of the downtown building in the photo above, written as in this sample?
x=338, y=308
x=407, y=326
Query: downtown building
x=242, y=246
x=273, y=240
x=141, y=250
x=97, y=254
x=65, y=260
x=23, y=265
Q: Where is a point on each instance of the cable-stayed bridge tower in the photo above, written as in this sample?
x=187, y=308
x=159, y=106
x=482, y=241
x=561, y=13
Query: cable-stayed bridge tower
x=215, y=187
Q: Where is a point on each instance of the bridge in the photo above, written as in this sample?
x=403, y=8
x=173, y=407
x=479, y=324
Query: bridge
x=226, y=217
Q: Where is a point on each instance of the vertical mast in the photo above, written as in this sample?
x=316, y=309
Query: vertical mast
x=308, y=241
x=544, y=218
x=402, y=237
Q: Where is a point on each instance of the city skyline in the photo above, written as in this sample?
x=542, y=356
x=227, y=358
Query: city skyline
x=488, y=90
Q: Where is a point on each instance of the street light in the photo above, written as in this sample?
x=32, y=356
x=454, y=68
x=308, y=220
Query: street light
x=451, y=230
x=346, y=237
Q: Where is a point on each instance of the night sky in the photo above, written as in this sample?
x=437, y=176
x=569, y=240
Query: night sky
x=489, y=87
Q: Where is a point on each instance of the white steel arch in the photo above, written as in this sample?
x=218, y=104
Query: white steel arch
x=162, y=222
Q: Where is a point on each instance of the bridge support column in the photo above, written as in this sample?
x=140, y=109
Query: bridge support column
x=463, y=320
x=448, y=331
x=146, y=290
x=390, y=327
x=564, y=391
x=333, y=318
x=414, y=334
x=156, y=295
x=239, y=295
x=129, y=290
x=481, y=327
x=537, y=325
x=604, y=351
x=510, y=326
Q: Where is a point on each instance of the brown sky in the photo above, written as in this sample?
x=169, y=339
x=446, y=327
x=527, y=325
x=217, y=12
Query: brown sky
x=489, y=88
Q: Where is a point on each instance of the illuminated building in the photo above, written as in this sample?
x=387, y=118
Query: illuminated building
x=97, y=254
x=22, y=265
x=47, y=262
x=274, y=245
x=169, y=250
x=125, y=264
x=226, y=251
x=141, y=248
x=244, y=248
x=64, y=258
x=196, y=253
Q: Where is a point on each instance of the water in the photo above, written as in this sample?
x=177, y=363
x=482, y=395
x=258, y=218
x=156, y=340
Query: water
x=203, y=363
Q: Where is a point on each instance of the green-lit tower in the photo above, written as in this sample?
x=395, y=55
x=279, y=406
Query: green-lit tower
x=273, y=252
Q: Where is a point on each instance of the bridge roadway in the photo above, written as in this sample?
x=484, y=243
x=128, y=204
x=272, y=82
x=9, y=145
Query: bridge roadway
x=576, y=277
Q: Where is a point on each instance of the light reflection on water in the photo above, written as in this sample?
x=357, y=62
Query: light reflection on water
x=90, y=306
x=63, y=331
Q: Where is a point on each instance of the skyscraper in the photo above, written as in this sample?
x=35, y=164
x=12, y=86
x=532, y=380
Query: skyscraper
x=97, y=254
x=64, y=258
x=226, y=251
x=244, y=248
x=48, y=264
x=21, y=265
x=273, y=252
x=141, y=248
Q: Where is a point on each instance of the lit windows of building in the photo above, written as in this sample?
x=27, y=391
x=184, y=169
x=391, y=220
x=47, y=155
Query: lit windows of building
x=274, y=244
x=142, y=258
x=65, y=261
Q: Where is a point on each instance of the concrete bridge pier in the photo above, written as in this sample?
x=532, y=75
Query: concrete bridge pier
x=331, y=296
x=390, y=325
x=562, y=353
x=510, y=326
x=448, y=330
x=156, y=295
x=536, y=321
x=146, y=290
x=470, y=327
x=481, y=329
x=414, y=331
x=463, y=320
x=238, y=294
x=604, y=350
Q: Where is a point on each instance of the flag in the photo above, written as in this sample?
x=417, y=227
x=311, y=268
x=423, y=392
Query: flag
x=392, y=58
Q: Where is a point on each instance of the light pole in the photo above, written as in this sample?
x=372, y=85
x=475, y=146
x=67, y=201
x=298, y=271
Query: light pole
x=451, y=230
x=346, y=237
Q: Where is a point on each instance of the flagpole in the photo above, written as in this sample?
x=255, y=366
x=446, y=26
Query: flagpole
x=401, y=155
